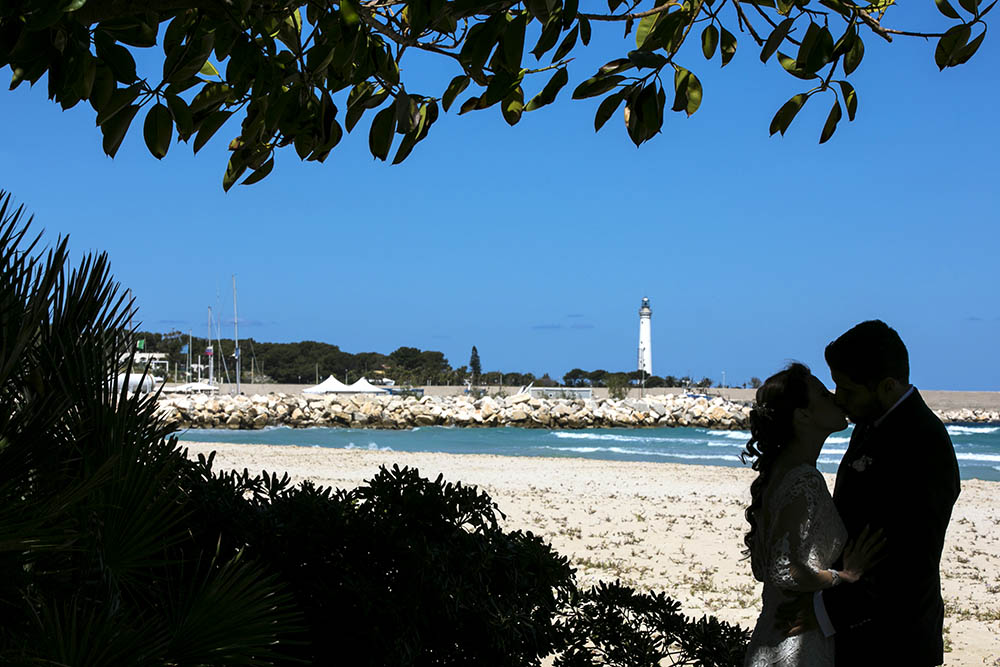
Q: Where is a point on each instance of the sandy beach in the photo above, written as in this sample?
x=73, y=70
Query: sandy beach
x=669, y=527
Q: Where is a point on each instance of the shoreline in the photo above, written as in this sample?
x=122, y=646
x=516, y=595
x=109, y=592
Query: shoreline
x=665, y=526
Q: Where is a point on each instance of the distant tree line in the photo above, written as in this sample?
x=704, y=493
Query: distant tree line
x=303, y=362
x=602, y=378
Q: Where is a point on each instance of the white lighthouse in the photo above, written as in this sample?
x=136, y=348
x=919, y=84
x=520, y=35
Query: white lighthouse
x=645, y=340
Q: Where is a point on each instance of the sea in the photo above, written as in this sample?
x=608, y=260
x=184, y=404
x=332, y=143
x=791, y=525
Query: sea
x=977, y=446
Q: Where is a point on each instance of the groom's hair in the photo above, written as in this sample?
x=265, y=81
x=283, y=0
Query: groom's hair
x=869, y=353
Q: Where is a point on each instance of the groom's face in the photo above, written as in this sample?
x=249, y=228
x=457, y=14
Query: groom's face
x=859, y=402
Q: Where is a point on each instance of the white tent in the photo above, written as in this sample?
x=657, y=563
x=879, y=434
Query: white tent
x=363, y=386
x=331, y=385
x=192, y=388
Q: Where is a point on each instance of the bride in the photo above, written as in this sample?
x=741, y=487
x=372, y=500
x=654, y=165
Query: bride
x=795, y=532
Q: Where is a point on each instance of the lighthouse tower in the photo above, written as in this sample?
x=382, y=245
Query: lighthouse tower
x=645, y=341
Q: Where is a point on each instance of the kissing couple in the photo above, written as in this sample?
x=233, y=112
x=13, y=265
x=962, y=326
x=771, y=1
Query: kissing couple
x=852, y=579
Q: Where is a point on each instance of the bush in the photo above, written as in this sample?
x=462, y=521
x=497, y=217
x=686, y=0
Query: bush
x=117, y=549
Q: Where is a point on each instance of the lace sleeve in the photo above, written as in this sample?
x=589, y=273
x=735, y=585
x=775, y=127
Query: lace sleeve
x=793, y=562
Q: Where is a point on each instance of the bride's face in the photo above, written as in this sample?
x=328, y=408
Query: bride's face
x=822, y=410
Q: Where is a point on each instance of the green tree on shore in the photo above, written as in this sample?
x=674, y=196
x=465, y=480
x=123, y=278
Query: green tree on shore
x=275, y=66
x=475, y=366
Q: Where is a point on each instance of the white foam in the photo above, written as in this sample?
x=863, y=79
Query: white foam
x=614, y=437
x=838, y=440
x=988, y=458
x=731, y=435
x=971, y=430
x=641, y=452
x=997, y=468
x=835, y=451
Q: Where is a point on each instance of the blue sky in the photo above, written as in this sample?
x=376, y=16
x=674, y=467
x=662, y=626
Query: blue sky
x=536, y=243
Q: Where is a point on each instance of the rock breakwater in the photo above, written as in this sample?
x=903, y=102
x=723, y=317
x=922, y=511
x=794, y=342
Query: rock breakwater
x=399, y=412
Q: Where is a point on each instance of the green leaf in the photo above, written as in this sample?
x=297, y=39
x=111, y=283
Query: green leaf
x=468, y=105
x=548, y=38
x=103, y=88
x=208, y=69
x=969, y=5
x=457, y=85
x=945, y=8
x=950, y=45
x=646, y=25
x=646, y=59
x=210, y=95
x=596, y=85
x=513, y=106
x=260, y=173
x=209, y=127
x=234, y=169
x=118, y=100
x=548, y=94
x=694, y=93
x=616, y=66
x=831, y=122
x=775, y=39
x=158, y=130
x=512, y=42
x=709, y=40
x=567, y=44
x=115, y=128
x=854, y=55
x=728, y=42
x=786, y=114
x=185, y=61
x=181, y=115
x=809, y=40
x=969, y=49
x=118, y=58
x=791, y=67
x=785, y=6
x=584, y=24
x=850, y=99
x=349, y=14
x=380, y=135
x=607, y=108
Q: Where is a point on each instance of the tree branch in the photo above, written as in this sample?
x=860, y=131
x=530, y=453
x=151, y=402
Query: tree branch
x=629, y=17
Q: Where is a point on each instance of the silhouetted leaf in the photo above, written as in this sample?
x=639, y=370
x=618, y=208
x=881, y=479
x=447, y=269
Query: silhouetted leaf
x=209, y=127
x=775, y=39
x=158, y=130
x=850, y=98
x=457, y=85
x=945, y=8
x=854, y=54
x=645, y=28
x=260, y=173
x=786, y=114
x=950, y=45
x=118, y=100
x=549, y=92
x=831, y=122
x=567, y=44
x=607, y=108
x=646, y=59
x=790, y=66
x=969, y=5
x=596, y=85
x=969, y=50
x=512, y=42
x=380, y=134
x=728, y=42
x=584, y=24
x=114, y=129
x=512, y=106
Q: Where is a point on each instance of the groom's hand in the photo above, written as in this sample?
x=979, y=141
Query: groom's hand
x=796, y=616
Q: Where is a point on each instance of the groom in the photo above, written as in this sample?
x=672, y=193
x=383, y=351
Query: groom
x=899, y=475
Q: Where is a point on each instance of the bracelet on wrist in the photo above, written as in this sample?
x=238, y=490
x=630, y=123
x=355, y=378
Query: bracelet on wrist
x=836, y=578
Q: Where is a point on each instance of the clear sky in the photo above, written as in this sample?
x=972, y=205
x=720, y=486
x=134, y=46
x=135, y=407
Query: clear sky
x=537, y=243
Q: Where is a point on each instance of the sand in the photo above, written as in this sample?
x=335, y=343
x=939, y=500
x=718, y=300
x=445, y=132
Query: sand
x=661, y=526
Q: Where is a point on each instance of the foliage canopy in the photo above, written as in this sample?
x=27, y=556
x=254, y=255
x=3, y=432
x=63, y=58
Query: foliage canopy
x=276, y=65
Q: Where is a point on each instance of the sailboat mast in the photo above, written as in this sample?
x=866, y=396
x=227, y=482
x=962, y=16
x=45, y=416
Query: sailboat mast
x=208, y=350
x=236, y=335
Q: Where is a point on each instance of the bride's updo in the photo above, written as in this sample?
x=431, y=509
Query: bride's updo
x=771, y=429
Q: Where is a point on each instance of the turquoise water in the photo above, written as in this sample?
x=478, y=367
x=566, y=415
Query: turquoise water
x=977, y=446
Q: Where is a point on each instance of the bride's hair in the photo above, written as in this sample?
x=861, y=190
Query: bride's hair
x=771, y=428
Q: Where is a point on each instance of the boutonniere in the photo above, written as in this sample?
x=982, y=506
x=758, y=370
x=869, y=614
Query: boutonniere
x=861, y=463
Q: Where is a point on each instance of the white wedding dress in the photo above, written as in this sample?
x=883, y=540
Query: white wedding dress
x=798, y=529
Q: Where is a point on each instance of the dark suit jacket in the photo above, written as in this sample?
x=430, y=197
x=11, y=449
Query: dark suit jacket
x=902, y=477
